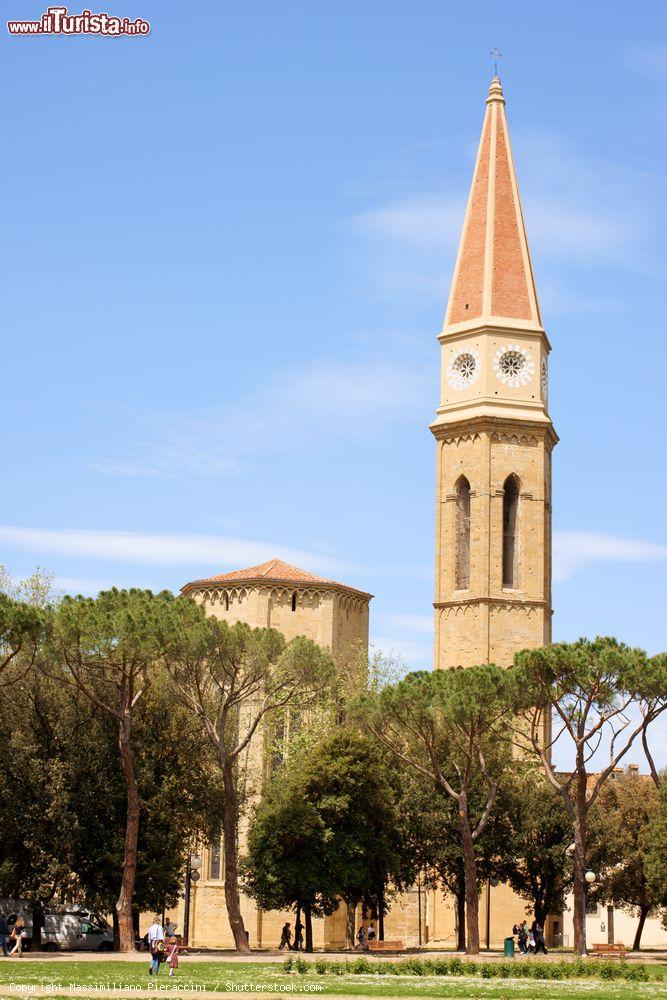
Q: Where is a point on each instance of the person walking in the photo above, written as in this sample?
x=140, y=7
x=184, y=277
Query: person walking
x=538, y=934
x=17, y=935
x=169, y=929
x=298, y=935
x=371, y=932
x=360, y=937
x=4, y=931
x=155, y=946
x=522, y=937
x=172, y=957
x=285, y=937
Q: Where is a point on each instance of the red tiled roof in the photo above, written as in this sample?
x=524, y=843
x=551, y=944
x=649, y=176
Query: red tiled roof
x=493, y=274
x=274, y=570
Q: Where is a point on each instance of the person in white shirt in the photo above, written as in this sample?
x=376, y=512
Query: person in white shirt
x=155, y=944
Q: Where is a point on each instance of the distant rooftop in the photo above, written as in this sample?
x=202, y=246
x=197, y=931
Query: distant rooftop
x=274, y=571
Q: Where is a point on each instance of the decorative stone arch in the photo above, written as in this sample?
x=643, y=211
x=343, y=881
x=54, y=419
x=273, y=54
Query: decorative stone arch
x=462, y=565
x=511, y=531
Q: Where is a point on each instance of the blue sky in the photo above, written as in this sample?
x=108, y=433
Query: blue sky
x=226, y=255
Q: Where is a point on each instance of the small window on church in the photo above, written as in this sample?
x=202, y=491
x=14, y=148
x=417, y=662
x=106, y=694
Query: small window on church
x=294, y=601
x=215, y=860
x=510, y=532
x=226, y=602
x=463, y=534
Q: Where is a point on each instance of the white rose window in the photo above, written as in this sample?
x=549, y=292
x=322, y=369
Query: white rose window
x=463, y=369
x=514, y=365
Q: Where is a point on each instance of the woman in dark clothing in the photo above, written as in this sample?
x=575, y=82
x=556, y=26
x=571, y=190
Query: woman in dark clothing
x=538, y=934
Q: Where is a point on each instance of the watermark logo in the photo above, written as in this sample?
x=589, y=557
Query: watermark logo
x=58, y=21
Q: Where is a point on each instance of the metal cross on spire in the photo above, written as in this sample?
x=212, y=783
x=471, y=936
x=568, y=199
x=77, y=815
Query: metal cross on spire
x=495, y=55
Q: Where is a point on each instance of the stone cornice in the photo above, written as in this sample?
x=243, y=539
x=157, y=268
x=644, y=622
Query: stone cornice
x=518, y=602
x=498, y=326
x=262, y=584
x=490, y=425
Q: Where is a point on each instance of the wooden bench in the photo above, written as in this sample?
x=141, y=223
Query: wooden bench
x=609, y=950
x=385, y=946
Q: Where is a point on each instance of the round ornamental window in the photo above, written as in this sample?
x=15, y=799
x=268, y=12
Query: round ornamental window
x=514, y=365
x=463, y=369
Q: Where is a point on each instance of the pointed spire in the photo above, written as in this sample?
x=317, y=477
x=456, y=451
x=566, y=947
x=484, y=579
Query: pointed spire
x=493, y=279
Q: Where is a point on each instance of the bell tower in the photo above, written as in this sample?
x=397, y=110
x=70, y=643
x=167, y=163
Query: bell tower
x=494, y=436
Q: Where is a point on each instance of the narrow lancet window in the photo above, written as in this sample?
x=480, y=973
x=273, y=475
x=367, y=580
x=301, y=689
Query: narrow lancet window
x=511, y=532
x=294, y=601
x=462, y=534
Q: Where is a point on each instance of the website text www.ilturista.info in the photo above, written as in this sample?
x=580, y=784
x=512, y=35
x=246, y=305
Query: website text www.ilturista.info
x=58, y=21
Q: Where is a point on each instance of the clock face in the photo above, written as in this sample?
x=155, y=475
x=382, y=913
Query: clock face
x=463, y=368
x=514, y=365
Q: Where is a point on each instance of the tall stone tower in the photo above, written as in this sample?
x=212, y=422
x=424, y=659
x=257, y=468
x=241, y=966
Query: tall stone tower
x=493, y=432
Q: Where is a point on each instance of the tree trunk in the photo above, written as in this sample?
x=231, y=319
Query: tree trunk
x=124, y=901
x=230, y=822
x=351, y=909
x=577, y=916
x=472, y=896
x=381, y=913
x=297, y=945
x=539, y=911
x=643, y=913
x=308, y=917
x=461, y=918
x=37, y=925
x=116, y=930
x=579, y=888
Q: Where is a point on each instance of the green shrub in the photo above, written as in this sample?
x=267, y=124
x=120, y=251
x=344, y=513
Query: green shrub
x=321, y=966
x=413, y=967
x=609, y=970
x=635, y=973
x=287, y=964
x=504, y=970
x=486, y=970
x=455, y=966
x=441, y=967
x=361, y=966
x=301, y=966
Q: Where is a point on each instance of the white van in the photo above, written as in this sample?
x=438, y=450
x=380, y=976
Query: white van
x=73, y=930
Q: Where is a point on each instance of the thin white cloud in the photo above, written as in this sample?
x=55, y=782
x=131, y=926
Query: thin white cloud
x=650, y=60
x=575, y=550
x=322, y=401
x=578, y=209
x=421, y=222
x=209, y=551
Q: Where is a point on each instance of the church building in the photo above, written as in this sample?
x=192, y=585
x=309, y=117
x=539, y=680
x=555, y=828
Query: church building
x=494, y=440
x=493, y=433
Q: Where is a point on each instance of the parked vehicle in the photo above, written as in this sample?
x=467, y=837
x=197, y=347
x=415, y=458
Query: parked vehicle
x=72, y=930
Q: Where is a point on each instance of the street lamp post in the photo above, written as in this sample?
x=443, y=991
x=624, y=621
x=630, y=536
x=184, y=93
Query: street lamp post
x=192, y=874
x=589, y=879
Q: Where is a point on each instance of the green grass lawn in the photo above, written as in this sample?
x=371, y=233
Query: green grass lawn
x=225, y=976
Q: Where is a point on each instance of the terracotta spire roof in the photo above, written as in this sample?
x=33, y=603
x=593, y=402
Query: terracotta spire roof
x=275, y=571
x=493, y=278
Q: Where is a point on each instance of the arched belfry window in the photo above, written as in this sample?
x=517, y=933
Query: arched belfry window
x=511, y=532
x=462, y=534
